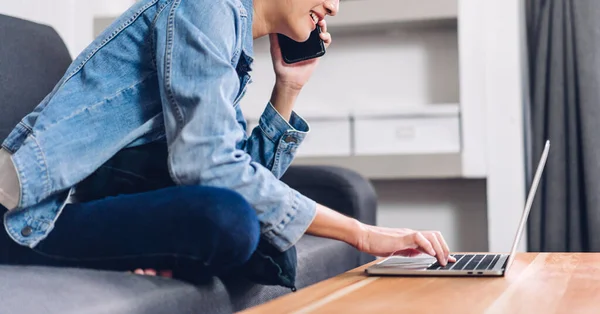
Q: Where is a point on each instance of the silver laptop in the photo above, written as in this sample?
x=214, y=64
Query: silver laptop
x=487, y=264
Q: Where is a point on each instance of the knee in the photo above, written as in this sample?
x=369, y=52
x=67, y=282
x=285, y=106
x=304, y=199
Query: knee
x=232, y=221
x=241, y=226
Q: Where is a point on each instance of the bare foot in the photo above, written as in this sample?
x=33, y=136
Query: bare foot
x=152, y=272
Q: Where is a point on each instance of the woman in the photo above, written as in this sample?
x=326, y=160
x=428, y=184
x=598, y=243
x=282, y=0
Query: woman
x=139, y=157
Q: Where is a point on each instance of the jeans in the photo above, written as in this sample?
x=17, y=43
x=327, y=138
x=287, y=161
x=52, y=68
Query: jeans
x=195, y=231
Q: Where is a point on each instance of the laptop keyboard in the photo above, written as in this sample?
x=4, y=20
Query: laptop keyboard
x=469, y=262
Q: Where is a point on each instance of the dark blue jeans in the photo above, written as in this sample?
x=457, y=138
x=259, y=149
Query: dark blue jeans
x=132, y=217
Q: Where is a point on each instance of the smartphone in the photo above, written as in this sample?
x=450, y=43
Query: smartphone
x=293, y=51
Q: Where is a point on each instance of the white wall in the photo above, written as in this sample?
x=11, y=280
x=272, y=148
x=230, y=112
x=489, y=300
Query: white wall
x=56, y=13
x=504, y=94
x=72, y=19
x=457, y=208
x=380, y=69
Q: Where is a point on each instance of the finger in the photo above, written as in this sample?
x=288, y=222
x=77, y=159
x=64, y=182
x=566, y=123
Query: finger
x=423, y=251
x=452, y=259
x=326, y=37
x=443, y=243
x=323, y=25
x=423, y=243
x=274, y=40
x=166, y=273
x=439, y=252
x=139, y=271
x=150, y=272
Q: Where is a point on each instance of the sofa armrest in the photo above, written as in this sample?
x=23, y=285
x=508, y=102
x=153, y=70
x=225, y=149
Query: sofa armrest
x=337, y=188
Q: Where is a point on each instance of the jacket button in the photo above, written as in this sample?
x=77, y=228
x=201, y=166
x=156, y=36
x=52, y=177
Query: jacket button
x=27, y=231
x=290, y=139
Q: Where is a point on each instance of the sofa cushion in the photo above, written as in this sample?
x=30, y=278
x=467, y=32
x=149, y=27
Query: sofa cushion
x=318, y=259
x=64, y=291
x=34, y=58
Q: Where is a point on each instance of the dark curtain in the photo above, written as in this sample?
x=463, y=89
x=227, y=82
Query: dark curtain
x=563, y=39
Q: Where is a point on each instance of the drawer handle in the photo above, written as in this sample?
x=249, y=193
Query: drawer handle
x=405, y=133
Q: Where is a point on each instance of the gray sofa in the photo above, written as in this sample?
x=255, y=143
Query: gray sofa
x=32, y=60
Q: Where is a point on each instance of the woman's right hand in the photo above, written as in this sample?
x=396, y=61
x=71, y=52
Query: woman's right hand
x=381, y=241
x=378, y=241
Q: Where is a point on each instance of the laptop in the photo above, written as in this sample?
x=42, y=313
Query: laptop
x=486, y=264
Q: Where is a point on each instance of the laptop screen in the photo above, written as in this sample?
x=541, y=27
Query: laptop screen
x=529, y=202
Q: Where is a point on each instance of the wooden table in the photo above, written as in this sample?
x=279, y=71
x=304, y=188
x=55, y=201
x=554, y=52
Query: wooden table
x=536, y=283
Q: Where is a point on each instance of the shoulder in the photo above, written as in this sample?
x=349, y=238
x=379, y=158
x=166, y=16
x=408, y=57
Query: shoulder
x=218, y=17
x=213, y=9
x=217, y=23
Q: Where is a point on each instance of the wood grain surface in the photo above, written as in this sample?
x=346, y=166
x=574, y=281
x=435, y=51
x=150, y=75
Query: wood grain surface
x=536, y=283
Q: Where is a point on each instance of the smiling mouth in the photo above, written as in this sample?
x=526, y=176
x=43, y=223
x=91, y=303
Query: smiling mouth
x=314, y=17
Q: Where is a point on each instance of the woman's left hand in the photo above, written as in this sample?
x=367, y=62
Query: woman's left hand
x=294, y=76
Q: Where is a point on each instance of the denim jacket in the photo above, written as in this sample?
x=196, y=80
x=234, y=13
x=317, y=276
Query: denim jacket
x=169, y=70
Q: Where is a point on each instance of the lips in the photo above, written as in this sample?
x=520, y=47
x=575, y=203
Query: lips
x=316, y=16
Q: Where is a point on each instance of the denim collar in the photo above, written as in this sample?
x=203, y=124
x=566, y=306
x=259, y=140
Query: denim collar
x=248, y=45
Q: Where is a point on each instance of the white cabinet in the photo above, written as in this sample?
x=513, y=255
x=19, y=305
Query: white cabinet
x=406, y=134
x=328, y=137
x=373, y=12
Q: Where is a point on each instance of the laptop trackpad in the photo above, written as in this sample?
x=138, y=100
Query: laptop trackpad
x=401, y=262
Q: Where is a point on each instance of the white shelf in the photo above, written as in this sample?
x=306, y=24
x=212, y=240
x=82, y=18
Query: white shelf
x=352, y=14
x=373, y=12
x=401, y=111
x=427, y=166
x=329, y=135
x=429, y=110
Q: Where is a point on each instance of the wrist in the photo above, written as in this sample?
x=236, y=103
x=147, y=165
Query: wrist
x=288, y=87
x=283, y=99
x=331, y=224
x=354, y=232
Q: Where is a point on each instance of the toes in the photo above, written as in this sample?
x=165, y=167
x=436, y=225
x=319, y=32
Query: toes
x=166, y=273
x=150, y=272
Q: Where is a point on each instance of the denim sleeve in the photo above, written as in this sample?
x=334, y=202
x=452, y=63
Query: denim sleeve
x=274, y=142
x=199, y=86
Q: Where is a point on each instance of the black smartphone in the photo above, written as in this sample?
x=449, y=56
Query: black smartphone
x=293, y=51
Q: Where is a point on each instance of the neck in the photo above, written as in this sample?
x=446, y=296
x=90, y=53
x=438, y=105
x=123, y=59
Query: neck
x=262, y=25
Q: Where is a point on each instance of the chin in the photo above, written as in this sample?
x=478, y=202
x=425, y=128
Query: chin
x=300, y=34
